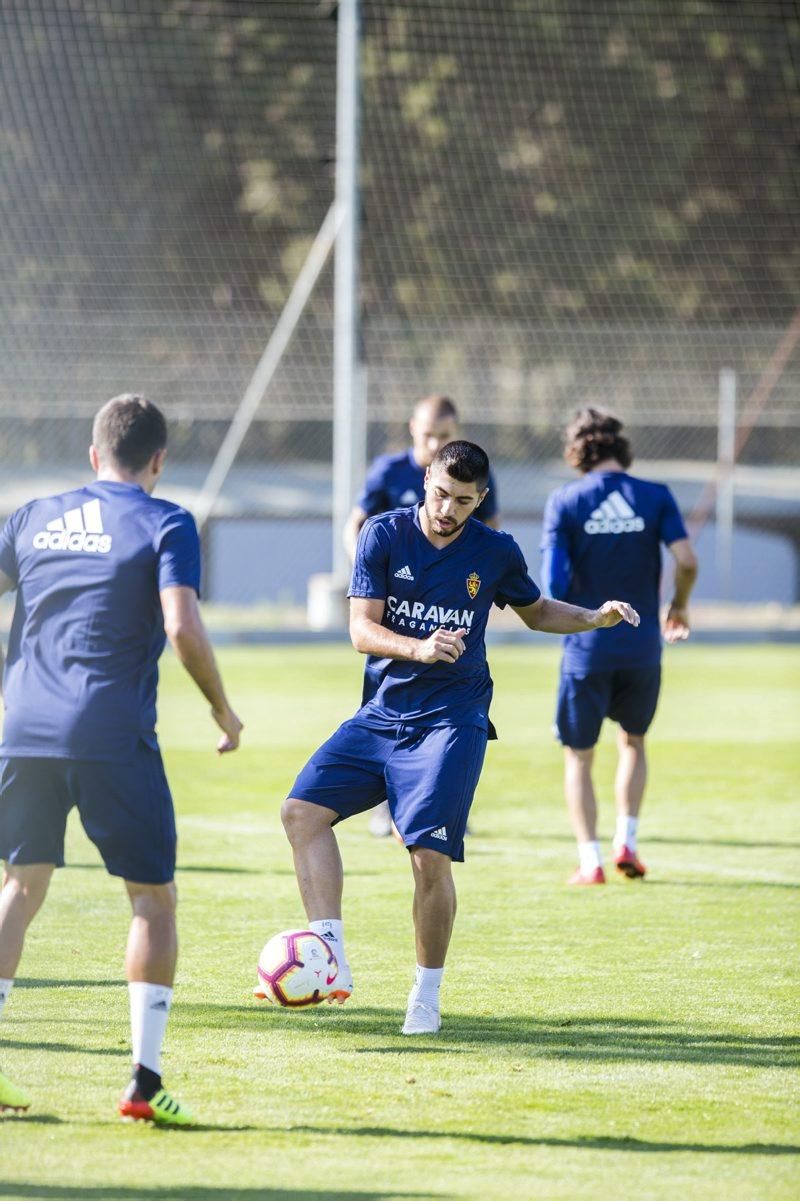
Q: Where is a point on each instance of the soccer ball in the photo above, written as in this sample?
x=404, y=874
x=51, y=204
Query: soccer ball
x=297, y=968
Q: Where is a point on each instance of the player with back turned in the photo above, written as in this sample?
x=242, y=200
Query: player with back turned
x=606, y=531
x=103, y=574
x=424, y=581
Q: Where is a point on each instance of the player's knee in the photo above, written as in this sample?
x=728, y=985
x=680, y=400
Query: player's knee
x=28, y=882
x=152, y=901
x=301, y=818
x=429, y=866
x=633, y=740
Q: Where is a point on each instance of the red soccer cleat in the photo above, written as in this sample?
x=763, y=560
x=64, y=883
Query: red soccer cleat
x=598, y=876
x=628, y=865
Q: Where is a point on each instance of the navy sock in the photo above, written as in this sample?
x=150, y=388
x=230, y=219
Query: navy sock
x=147, y=1081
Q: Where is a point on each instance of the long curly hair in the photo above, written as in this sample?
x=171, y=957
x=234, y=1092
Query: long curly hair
x=594, y=436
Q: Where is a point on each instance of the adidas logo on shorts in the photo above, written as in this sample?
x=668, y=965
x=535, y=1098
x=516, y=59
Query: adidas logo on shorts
x=79, y=529
x=441, y=833
x=403, y=573
x=614, y=516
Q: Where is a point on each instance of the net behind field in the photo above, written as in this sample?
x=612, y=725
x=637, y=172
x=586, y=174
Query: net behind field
x=560, y=205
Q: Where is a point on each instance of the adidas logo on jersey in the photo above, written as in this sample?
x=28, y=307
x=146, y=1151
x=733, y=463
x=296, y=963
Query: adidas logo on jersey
x=403, y=573
x=441, y=834
x=79, y=529
x=614, y=516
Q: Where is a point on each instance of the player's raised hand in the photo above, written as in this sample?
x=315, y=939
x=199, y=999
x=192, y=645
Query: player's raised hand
x=443, y=646
x=676, y=624
x=231, y=728
x=613, y=612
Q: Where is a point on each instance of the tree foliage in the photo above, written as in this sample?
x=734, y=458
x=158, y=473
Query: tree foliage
x=525, y=160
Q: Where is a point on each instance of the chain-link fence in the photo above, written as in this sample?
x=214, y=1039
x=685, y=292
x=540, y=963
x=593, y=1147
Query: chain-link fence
x=561, y=204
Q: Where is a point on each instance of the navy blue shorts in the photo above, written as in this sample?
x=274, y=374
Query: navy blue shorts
x=428, y=774
x=125, y=808
x=628, y=696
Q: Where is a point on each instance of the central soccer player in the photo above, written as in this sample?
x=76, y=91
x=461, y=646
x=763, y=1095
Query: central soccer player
x=424, y=581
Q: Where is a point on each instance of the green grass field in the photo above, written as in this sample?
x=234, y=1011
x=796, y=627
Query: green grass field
x=637, y=1041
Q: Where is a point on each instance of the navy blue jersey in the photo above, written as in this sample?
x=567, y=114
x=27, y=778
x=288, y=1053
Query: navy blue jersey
x=611, y=526
x=81, y=671
x=395, y=481
x=424, y=588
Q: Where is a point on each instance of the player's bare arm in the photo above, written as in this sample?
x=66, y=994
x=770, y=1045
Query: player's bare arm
x=371, y=638
x=352, y=529
x=557, y=617
x=676, y=618
x=187, y=634
x=6, y=585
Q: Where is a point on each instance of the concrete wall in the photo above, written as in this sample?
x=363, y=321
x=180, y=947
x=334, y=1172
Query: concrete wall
x=252, y=560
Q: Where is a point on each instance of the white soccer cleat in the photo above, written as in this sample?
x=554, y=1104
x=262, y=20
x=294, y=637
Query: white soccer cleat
x=422, y=1018
x=343, y=987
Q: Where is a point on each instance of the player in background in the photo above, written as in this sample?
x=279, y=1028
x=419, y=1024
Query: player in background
x=397, y=480
x=102, y=574
x=605, y=532
x=424, y=581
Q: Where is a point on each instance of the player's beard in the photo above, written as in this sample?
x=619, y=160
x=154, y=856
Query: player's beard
x=449, y=530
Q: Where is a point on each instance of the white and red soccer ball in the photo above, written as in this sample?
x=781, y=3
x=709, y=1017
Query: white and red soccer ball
x=297, y=968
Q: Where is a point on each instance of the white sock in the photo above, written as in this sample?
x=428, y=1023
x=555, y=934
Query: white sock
x=150, y=1005
x=625, y=835
x=332, y=930
x=426, y=985
x=5, y=991
x=589, y=857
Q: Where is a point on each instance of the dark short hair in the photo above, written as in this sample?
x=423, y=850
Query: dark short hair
x=464, y=461
x=593, y=436
x=441, y=406
x=129, y=429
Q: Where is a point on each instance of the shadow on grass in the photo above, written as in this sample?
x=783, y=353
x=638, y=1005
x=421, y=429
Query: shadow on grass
x=33, y=1119
x=216, y=868
x=413, y=1048
x=590, y=1143
x=42, y=982
x=70, y=1047
x=600, y=1039
x=200, y=1192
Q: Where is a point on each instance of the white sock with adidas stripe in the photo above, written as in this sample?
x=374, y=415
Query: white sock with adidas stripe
x=150, y=1005
x=332, y=930
x=426, y=985
x=5, y=991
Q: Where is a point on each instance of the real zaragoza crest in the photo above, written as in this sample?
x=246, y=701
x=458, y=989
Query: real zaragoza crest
x=473, y=584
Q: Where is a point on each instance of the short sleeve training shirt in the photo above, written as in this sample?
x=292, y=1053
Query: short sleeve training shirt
x=425, y=588
x=82, y=666
x=612, y=526
x=397, y=480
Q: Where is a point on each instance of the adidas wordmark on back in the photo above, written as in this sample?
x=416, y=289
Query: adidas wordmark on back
x=614, y=516
x=80, y=529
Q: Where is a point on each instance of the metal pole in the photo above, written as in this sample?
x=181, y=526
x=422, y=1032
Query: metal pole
x=726, y=451
x=267, y=364
x=346, y=437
